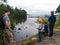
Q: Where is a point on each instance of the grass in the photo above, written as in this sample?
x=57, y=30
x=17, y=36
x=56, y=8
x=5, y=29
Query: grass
x=56, y=24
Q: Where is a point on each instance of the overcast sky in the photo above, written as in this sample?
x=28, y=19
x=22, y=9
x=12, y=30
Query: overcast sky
x=35, y=6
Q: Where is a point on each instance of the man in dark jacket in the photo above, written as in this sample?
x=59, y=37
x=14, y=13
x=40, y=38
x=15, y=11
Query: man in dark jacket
x=52, y=20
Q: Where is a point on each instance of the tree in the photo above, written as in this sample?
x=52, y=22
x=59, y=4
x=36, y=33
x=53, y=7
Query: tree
x=3, y=0
x=17, y=15
x=58, y=11
x=2, y=8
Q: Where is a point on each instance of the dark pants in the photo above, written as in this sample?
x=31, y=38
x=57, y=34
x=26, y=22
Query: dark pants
x=51, y=30
x=40, y=36
x=45, y=33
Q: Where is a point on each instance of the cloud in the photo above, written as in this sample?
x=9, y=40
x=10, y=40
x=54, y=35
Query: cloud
x=35, y=6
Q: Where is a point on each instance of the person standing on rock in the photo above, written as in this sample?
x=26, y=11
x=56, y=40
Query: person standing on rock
x=51, y=20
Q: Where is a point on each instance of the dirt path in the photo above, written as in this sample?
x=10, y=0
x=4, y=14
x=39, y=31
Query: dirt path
x=55, y=40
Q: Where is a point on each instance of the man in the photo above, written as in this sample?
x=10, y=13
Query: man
x=7, y=30
x=7, y=20
x=52, y=20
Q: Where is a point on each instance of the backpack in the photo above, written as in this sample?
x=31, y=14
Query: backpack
x=2, y=24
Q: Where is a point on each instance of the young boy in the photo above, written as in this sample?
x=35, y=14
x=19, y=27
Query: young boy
x=46, y=29
x=40, y=30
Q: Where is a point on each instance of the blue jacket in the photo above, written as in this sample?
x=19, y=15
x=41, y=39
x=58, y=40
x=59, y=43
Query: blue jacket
x=52, y=19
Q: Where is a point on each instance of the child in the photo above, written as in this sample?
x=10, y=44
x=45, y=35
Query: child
x=40, y=30
x=46, y=29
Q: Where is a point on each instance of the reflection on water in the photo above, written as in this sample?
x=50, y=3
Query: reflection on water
x=25, y=30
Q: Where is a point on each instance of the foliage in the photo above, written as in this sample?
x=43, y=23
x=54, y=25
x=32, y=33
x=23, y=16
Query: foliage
x=5, y=0
x=19, y=15
x=58, y=9
x=16, y=16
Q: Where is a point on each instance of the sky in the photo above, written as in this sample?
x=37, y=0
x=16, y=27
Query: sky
x=37, y=7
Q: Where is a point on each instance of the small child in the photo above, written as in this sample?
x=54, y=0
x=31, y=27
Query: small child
x=46, y=29
x=40, y=30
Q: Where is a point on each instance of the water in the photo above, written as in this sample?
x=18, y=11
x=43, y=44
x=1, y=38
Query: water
x=25, y=30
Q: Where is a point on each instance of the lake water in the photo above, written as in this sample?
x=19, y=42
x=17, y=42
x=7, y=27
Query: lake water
x=25, y=30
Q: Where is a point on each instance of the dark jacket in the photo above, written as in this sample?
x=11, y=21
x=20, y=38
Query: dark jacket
x=46, y=28
x=52, y=19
